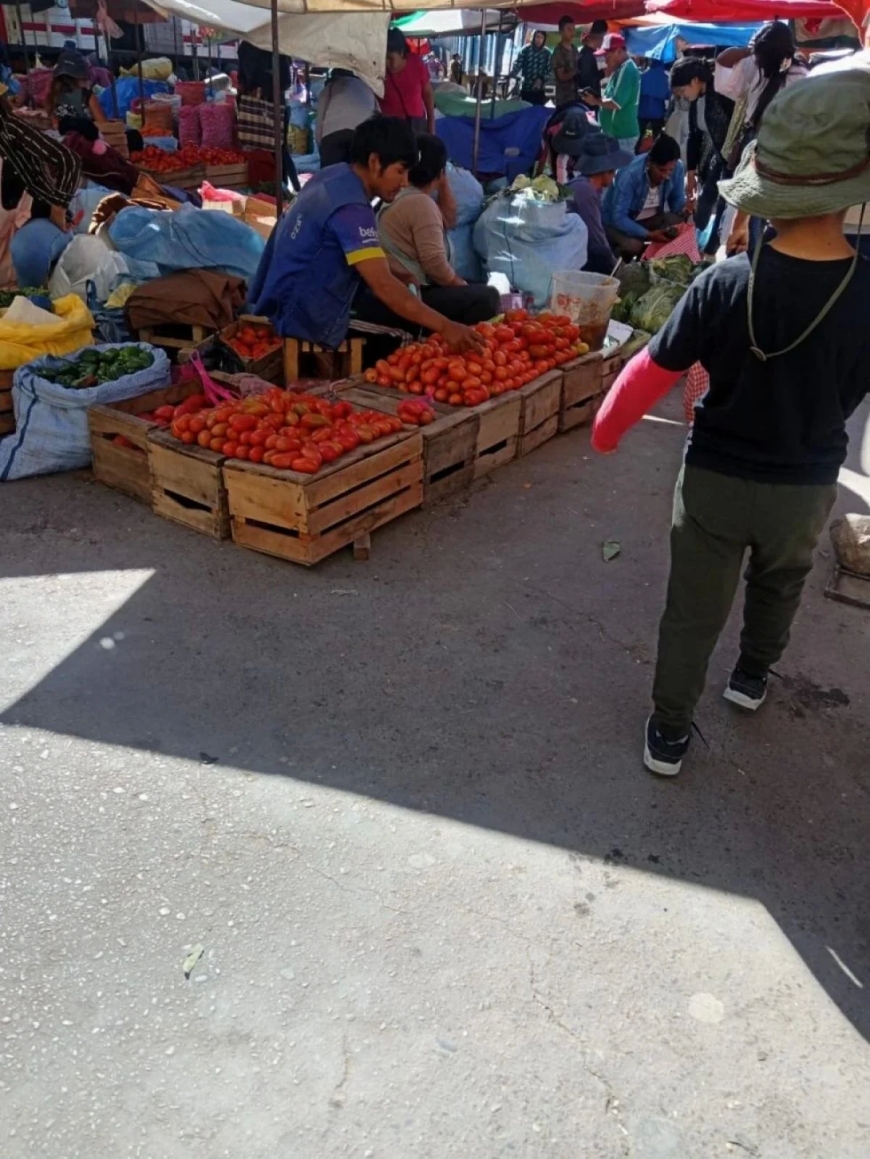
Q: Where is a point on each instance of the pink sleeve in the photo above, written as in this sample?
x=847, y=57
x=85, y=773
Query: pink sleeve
x=640, y=385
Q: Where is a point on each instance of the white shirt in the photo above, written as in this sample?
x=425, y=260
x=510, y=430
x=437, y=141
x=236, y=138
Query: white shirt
x=745, y=80
x=651, y=205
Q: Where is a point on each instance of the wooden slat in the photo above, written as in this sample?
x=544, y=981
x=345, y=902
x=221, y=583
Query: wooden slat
x=362, y=498
x=541, y=398
x=122, y=469
x=582, y=413
x=187, y=485
x=538, y=436
x=7, y=425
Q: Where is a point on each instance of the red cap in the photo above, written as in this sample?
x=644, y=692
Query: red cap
x=612, y=42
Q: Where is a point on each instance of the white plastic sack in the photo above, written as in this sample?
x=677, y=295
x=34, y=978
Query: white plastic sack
x=87, y=259
x=52, y=421
x=528, y=239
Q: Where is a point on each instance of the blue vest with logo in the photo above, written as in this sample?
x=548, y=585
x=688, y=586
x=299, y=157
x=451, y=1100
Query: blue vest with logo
x=304, y=285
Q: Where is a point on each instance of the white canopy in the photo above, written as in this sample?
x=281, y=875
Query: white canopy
x=354, y=40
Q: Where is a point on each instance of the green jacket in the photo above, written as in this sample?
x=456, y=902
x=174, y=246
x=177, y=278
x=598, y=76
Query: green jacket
x=623, y=87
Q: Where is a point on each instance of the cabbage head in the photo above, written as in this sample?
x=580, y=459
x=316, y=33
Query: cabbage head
x=652, y=310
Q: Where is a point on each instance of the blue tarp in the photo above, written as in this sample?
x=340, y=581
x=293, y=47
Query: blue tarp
x=127, y=91
x=508, y=145
x=188, y=240
x=660, y=43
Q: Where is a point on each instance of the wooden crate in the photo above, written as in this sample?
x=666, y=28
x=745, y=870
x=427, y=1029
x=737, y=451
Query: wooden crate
x=309, y=360
x=190, y=178
x=539, y=418
x=114, y=133
x=271, y=366
x=175, y=337
x=449, y=443
x=7, y=415
x=498, y=433
x=124, y=468
x=187, y=485
x=305, y=518
x=585, y=383
x=233, y=176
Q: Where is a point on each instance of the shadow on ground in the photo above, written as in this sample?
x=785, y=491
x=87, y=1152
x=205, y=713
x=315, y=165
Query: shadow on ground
x=486, y=665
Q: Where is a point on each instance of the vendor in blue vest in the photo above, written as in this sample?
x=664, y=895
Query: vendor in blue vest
x=326, y=247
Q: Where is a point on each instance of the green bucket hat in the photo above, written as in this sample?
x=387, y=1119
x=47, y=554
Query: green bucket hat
x=812, y=155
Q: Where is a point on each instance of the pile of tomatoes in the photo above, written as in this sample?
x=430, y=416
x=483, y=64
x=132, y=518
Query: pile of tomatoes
x=283, y=429
x=517, y=350
x=253, y=341
x=159, y=161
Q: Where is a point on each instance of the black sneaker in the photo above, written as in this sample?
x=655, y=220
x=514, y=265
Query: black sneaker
x=663, y=756
x=746, y=691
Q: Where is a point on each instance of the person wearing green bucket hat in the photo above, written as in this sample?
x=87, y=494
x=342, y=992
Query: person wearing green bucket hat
x=784, y=339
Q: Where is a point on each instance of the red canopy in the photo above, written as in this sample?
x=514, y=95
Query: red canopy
x=549, y=14
x=748, y=11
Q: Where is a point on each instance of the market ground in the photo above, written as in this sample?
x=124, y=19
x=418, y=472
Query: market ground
x=444, y=913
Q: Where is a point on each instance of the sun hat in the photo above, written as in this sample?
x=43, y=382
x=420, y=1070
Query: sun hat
x=612, y=42
x=812, y=154
x=572, y=133
x=600, y=153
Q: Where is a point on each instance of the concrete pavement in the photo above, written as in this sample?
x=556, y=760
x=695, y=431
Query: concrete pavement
x=400, y=806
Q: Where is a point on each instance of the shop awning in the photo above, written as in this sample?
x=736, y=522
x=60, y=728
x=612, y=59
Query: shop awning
x=659, y=41
x=461, y=22
x=740, y=11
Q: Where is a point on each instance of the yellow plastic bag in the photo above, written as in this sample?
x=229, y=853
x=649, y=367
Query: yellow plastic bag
x=20, y=344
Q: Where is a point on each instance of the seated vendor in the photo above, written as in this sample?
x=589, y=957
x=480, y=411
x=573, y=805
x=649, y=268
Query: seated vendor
x=326, y=248
x=596, y=163
x=646, y=198
x=36, y=246
x=411, y=229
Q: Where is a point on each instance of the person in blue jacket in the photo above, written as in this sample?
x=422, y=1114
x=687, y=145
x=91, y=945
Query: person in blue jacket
x=655, y=96
x=646, y=199
x=326, y=247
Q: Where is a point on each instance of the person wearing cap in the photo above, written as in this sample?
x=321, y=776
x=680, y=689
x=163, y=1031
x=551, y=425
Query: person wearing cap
x=646, y=198
x=70, y=99
x=598, y=158
x=588, y=73
x=566, y=58
x=783, y=337
x=567, y=143
x=621, y=97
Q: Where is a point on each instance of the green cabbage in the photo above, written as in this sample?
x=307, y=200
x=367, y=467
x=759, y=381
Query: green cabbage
x=677, y=268
x=633, y=279
x=652, y=310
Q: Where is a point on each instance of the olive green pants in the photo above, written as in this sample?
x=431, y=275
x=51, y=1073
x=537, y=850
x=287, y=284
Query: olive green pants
x=716, y=519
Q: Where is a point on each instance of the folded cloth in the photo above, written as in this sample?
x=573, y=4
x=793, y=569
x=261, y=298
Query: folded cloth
x=192, y=297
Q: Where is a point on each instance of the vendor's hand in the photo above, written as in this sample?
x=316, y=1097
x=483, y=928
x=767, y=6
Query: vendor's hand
x=462, y=338
x=457, y=281
x=658, y=235
x=689, y=208
x=738, y=240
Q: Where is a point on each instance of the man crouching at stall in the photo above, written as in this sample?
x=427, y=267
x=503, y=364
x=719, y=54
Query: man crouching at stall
x=784, y=339
x=325, y=249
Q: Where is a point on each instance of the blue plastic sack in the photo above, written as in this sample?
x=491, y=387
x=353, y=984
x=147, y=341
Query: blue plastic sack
x=467, y=193
x=526, y=240
x=188, y=240
x=127, y=91
x=110, y=323
x=508, y=145
x=52, y=421
x=462, y=254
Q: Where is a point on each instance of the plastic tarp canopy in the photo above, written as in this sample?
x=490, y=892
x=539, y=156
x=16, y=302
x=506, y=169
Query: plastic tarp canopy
x=465, y=21
x=508, y=145
x=547, y=16
x=354, y=40
x=740, y=11
x=660, y=43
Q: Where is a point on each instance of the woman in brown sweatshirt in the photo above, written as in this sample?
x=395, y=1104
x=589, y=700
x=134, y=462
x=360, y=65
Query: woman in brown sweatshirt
x=412, y=231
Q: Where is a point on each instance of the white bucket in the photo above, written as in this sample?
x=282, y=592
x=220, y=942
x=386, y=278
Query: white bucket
x=587, y=299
